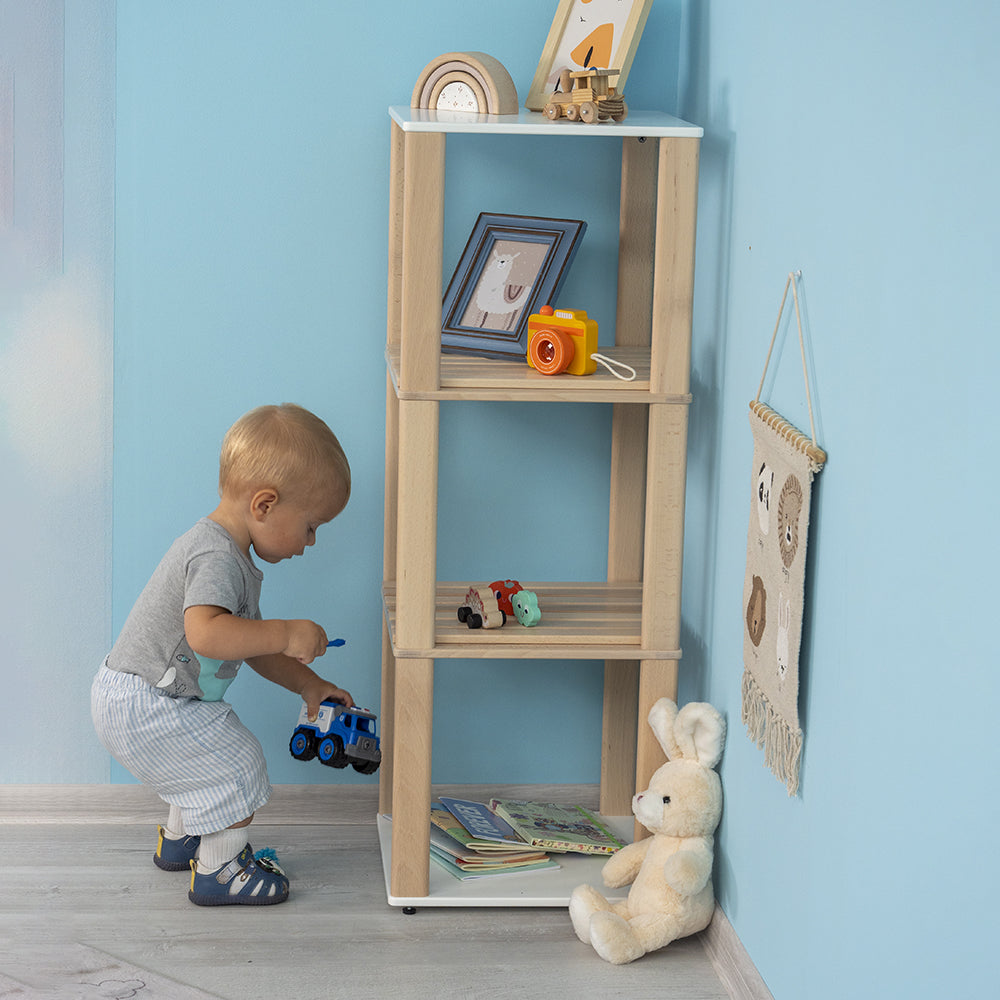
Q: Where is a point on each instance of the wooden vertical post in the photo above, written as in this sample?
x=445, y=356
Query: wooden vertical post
x=633, y=322
x=670, y=368
x=422, y=213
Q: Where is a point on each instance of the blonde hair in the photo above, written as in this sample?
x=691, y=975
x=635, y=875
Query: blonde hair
x=287, y=448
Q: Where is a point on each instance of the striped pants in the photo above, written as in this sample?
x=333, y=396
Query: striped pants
x=195, y=754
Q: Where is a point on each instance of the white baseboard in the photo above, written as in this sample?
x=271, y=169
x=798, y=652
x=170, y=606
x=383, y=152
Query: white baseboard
x=731, y=962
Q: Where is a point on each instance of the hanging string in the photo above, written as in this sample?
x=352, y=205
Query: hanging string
x=802, y=350
x=774, y=336
x=769, y=416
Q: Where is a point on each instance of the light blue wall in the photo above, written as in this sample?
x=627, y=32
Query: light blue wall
x=251, y=266
x=855, y=142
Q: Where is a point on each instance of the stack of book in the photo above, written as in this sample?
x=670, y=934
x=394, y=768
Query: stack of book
x=508, y=836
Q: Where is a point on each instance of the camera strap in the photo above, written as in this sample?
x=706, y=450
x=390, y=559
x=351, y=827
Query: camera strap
x=611, y=364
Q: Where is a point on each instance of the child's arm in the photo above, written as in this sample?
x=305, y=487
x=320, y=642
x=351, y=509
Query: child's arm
x=304, y=681
x=218, y=635
x=277, y=649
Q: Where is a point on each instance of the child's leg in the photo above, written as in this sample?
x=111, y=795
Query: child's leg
x=175, y=823
x=199, y=755
x=175, y=850
x=218, y=849
x=225, y=874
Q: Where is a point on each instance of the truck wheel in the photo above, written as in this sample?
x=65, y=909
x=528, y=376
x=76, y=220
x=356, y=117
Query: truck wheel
x=331, y=752
x=367, y=767
x=302, y=745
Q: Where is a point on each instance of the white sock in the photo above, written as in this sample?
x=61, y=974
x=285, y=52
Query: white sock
x=174, y=829
x=218, y=849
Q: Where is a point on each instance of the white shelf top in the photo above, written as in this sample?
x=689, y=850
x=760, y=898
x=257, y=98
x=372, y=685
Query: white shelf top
x=653, y=124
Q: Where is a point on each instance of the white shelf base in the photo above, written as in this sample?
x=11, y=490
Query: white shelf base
x=537, y=888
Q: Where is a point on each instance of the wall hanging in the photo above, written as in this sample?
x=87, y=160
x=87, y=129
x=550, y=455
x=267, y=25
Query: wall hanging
x=784, y=464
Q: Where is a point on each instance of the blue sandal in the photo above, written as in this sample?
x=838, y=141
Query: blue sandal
x=245, y=880
x=175, y=855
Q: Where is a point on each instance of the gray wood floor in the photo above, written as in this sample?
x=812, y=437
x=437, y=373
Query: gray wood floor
x=68, y=880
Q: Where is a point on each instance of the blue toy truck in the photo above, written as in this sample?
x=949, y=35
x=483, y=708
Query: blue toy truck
x=339, y=736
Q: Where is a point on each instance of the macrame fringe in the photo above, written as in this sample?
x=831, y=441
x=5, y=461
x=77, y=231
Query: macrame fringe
x=782, y=745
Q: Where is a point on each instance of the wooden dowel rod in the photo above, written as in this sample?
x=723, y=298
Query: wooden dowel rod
x=789, y=432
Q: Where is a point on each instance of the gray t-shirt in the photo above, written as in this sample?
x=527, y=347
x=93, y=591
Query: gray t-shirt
x=204, y=566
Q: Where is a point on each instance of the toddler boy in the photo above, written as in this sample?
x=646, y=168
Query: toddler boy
x=157, y=700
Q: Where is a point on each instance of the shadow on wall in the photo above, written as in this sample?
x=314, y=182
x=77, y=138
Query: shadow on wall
x=708, y=352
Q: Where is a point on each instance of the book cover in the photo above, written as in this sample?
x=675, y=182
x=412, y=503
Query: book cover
x=445, y=821
x=556, y=827
x=463, y=856
x=482, y=822
x=441, y=853
x=466, y=876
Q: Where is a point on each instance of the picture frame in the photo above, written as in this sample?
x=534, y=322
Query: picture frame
x=511, y=266
x=588, y=33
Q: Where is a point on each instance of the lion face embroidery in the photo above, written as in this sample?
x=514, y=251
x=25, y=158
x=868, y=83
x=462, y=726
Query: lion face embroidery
x=757, y=611
x=789, y=510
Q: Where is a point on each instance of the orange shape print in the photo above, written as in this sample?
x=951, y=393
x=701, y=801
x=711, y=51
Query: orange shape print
x=595, y=49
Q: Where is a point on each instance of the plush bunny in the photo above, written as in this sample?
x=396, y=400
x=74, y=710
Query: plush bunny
x=671, y=871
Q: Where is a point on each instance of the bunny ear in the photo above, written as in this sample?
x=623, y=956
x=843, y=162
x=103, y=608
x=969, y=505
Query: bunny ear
x=700, y=732
x=661, y=721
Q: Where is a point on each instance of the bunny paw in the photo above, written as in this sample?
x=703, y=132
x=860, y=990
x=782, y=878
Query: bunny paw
x=583, y=903
x=686, y=873
x=613, y=939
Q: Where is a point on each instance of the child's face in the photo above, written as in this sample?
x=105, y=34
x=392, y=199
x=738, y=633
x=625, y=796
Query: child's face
x=290, y=527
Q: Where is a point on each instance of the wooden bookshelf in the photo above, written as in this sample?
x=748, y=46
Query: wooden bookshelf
x=631, y=621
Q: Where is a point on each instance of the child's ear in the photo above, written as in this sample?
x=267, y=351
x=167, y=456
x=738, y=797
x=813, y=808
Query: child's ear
x=262, y=502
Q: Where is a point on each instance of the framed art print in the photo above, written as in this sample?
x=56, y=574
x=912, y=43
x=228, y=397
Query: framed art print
x=587, y=34
x=511, y=266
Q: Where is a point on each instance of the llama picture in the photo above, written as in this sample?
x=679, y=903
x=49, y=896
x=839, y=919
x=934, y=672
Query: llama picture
x=512, y=265
x=504, y=285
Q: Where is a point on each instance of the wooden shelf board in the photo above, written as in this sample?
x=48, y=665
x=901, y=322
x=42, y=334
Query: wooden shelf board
x=466, y=376
x=585, y=621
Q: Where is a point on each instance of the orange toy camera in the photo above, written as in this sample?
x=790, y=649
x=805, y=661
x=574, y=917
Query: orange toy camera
x=562, y=340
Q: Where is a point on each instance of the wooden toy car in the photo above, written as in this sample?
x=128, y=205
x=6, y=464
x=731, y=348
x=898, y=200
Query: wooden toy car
x=587, y=96
x=490, y=606
x=480, y=609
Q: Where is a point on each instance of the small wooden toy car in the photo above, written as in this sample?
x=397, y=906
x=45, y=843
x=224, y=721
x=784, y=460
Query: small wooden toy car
x=339, y=736
x=586, y=96
x=490, y=606
x=480, y=609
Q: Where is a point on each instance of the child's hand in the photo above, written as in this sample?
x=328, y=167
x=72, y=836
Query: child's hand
x=317, y=690
x=305, y=640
